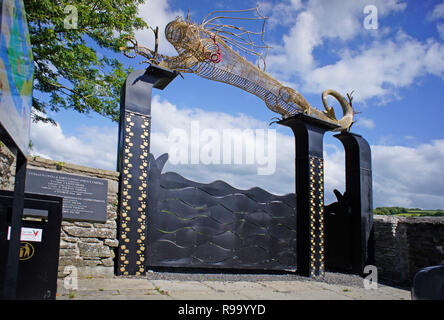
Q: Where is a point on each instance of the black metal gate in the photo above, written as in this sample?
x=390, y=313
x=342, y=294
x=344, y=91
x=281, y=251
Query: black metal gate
x=215, y=225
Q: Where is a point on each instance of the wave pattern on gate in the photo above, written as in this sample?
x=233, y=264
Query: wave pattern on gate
x=215, y=225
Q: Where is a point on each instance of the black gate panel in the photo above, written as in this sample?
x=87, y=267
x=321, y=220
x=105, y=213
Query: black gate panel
x=215, y=225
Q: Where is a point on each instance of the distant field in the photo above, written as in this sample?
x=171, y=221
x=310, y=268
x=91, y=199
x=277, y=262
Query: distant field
x=408, y=212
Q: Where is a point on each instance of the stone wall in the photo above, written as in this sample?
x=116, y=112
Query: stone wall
x=86, y=245
x=7, y=166
x=403, y=245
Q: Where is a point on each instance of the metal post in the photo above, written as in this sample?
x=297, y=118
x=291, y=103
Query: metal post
x=134, y=148
x=12, y=264
x=309, y=133
x=358, y=186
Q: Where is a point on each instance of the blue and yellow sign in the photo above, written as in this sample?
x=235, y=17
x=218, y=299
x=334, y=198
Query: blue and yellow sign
x=16, y=73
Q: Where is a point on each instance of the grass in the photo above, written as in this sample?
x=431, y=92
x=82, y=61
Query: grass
x=160, y=291
x=406, y=212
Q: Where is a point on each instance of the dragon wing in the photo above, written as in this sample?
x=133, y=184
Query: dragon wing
x=240, y=36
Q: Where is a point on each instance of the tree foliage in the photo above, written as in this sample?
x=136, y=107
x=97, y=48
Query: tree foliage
x=408, y=212
x=77, y=68
x=390, y=210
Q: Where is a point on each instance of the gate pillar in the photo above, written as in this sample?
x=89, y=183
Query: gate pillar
x=132, y=163
x=309, y=133
x=358, y=187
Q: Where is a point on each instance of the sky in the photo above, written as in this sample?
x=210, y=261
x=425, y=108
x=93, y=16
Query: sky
x=390, y=53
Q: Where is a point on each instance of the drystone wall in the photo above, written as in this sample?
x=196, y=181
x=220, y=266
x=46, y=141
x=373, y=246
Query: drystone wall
x=88, y=246
x=404, y=245
x=7, y=165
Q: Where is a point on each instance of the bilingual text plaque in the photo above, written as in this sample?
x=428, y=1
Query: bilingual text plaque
x=84, y=198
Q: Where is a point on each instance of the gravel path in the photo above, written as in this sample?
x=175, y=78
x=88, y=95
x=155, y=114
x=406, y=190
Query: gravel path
x=230, y=276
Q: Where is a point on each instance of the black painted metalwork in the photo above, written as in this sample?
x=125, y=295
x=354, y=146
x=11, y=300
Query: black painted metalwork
x=216, y=225
x=37, y=261
x=428, y=283
x=189, y=224
x=358, y=201
x=338, y=234
x=11, y=272
x=309, y=133
x=134, y=145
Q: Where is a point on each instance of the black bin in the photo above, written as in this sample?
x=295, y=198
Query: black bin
x=39, y=250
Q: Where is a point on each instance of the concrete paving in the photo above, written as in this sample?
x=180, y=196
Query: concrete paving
x=119, y=288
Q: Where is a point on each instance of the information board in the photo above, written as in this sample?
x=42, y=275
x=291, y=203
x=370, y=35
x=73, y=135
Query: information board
x=84, y=198
x=16, y=73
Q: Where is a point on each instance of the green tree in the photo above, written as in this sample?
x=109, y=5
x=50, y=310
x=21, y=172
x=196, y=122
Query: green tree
x=377, y=211
x=69, y=72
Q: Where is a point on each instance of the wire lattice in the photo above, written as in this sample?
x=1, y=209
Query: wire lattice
x=212, y=51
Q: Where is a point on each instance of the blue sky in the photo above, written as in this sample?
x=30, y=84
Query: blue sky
x=396, y=72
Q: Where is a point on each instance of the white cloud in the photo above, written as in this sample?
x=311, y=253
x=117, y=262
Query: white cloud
x=97, y=147
x=320, y=21
x=407, y=176
x=157, y=13
x=375, y=70
x=437, y=12
x=402, y=176
x=281, y=12
x=167, y=117
x=365, y=123
x=299, y=45
x=93, y=146
x=334, y=171
x=440, y=27
x=386, y=63
x=434, y=58
x=379, y=69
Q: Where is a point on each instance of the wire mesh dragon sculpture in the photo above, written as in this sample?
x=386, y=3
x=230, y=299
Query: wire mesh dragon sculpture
x=206, y=49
